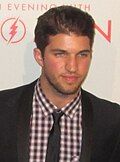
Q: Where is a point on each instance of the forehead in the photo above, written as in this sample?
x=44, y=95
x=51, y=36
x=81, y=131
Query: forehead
x=69, y=42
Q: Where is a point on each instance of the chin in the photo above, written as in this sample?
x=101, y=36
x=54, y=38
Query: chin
x=68, y=91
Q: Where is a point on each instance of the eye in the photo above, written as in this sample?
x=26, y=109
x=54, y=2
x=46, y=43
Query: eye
x=59, y=54
x=84, y=54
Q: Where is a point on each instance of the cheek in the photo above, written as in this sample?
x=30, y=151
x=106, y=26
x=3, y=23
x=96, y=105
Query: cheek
x=84, y=66
x=53, y=66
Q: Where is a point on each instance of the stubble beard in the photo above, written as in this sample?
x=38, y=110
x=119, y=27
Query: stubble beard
x=60, y=89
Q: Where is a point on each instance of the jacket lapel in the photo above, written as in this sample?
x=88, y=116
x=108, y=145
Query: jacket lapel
x=24, y=113
x=87, y=125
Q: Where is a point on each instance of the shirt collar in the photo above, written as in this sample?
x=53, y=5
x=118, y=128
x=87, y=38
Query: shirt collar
x=47, y=107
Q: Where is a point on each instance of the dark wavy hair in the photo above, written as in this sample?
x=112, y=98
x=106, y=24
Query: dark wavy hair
x=63, y=19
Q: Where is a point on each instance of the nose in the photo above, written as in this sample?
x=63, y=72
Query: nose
x=71, y=64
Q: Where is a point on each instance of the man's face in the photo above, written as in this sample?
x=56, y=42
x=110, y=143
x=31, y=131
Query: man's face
x=66, y=63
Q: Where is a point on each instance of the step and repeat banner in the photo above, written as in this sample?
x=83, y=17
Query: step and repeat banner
x=17, y=22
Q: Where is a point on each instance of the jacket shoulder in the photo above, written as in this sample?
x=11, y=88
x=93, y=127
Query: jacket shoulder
x=14, y=93
x=100, y=102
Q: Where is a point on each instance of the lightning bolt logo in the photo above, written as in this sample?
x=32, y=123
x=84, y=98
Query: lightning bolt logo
x=13, y=30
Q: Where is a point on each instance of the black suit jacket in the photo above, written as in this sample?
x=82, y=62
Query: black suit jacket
x=100, y=125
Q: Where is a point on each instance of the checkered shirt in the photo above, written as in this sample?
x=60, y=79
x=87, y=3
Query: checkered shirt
x=42, y=122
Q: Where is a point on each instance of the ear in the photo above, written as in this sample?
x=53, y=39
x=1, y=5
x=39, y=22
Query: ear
x=38, y=56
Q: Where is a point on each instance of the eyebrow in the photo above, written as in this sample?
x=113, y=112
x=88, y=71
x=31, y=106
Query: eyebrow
x=89, y=51
x=64, y=51
x=58, y=50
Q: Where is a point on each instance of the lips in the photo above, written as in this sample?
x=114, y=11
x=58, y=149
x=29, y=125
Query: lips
x=70, y=78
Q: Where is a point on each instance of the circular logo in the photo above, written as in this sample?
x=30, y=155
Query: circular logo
x=13, y=30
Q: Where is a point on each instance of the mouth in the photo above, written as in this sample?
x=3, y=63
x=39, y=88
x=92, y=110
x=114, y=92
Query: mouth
x=70, y=78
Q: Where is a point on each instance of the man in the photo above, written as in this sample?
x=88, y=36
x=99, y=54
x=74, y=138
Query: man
x=88, y=129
